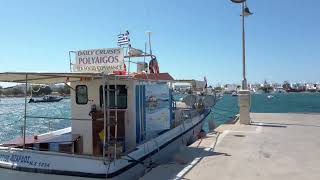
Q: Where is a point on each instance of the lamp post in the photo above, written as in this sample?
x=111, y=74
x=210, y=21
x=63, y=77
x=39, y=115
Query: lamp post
x=244, y=94
x=244, y=13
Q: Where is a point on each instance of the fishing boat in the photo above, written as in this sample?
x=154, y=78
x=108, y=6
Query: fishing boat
x=46, y=99
x=122, y=123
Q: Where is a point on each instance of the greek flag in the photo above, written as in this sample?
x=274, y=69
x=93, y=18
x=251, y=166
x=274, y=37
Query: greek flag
x=123, y=39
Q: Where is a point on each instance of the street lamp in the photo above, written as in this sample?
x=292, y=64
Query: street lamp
x=245, y=12
x=244, y=94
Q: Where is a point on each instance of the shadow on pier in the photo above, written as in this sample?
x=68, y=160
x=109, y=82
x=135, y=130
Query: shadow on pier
x=185, y=160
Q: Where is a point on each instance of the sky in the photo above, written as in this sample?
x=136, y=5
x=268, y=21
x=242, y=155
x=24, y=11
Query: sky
x=191, y=39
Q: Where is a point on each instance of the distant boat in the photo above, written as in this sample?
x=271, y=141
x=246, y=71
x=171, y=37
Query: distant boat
x=234, y=94
x=46, y=99
x=270, y=96
x=254, y=90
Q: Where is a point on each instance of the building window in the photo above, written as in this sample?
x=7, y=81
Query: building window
x=81, y=94
x=121, y=96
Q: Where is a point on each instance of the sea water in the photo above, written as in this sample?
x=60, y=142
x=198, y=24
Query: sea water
x=12, y=117
x=12, y=111
x=304, y=102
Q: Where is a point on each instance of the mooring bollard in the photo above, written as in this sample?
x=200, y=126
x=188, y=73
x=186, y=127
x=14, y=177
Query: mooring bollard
x=244, y=106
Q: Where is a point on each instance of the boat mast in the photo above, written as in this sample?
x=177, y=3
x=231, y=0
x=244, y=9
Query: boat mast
x=144, y=57
x=149, y=37
x=129, y=65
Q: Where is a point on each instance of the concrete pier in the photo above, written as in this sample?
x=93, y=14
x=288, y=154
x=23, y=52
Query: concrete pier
x=275, y=146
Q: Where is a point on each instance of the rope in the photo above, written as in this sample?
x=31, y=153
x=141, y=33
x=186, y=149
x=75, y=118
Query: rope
x=157, y=145
x=107, y=172
x=131, y=159
x=38, y=89
x=150, y=157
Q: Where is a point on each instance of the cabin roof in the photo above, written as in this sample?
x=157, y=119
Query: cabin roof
x=160, y=76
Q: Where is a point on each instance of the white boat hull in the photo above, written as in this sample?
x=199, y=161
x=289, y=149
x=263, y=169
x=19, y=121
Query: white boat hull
x=157, y=150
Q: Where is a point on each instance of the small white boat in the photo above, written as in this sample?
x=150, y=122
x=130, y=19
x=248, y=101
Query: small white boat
x=270, y=96
x=46, y=99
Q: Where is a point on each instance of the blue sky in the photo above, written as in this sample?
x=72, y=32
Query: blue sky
x=190, y=38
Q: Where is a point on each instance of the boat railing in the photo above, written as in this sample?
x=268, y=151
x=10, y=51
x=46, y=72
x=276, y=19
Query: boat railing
x=52, y=120
x=57, y=118
x=48, y=128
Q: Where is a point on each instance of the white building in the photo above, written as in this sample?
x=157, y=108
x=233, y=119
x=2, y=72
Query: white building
x=231, y=87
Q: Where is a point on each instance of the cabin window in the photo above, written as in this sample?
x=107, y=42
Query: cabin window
x=81, y=94
x=122, y=95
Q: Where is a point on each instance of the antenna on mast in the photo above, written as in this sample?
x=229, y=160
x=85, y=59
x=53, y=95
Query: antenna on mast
x=148, y=33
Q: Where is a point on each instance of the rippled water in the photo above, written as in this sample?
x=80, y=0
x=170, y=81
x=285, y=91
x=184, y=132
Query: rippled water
x=304, y=102
x=12, y=111
x=286, y=102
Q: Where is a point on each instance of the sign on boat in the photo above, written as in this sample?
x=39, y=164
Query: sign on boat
x=99, y=60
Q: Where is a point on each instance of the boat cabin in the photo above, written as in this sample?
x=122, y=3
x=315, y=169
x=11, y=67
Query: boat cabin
x=121, y=110
x=136, y=109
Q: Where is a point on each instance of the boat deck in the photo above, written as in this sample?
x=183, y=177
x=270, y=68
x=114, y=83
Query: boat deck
x=62, y=135
x=276, y=146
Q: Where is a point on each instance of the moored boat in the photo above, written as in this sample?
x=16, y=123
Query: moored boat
x=122, y=124
x=46, y=99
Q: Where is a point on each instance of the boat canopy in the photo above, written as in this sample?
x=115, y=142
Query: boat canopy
x=44, y=78
x=55, y=78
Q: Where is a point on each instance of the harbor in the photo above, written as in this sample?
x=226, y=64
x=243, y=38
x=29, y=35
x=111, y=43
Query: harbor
x=159, y=90
x=274, y=146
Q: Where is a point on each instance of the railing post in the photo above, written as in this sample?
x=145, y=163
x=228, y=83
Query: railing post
x=25, y=113
x=104, y=114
